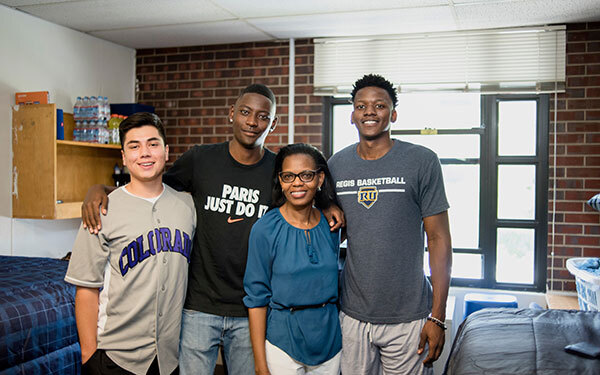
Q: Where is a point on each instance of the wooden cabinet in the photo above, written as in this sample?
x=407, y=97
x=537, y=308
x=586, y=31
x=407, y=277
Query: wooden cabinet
x=50, y=177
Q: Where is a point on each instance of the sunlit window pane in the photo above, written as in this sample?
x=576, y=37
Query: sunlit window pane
x=516, y=191
x=465, y=266
x=515, y=255
x=464, y=146
x=344, y=133
x=462, y=190
x=517, y=128
x=438, y=110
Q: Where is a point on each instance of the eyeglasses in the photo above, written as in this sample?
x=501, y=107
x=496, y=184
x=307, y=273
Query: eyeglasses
x=305, y=176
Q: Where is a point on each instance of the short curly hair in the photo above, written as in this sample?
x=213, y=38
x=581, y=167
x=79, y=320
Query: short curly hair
x=375, y=80
x=259, y=88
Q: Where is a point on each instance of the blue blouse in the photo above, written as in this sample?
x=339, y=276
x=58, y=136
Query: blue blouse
x=288, y=267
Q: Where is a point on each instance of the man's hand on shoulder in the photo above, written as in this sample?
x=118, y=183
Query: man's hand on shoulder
x=335, y=217
x=96, y=200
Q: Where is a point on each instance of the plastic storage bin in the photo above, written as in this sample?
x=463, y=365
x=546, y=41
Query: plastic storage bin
x=588, y=285
x=477, y=301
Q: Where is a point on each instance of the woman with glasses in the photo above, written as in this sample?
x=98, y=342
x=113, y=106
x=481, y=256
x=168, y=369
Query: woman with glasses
x=291, y=278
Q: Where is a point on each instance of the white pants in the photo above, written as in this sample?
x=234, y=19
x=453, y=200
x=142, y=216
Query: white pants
x=280, y=363
x=375, y=349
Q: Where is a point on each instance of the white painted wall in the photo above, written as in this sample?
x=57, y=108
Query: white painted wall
x=37, y=55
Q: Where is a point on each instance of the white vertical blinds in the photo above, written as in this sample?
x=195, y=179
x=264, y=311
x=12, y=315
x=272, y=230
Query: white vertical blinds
x=499, y=60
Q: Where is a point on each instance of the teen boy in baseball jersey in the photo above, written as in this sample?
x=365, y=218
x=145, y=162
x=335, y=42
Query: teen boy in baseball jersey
x=231, y=186
x=140, y=260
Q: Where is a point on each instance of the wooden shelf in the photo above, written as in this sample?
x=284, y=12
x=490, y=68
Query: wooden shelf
x=87, y=144
x=46, y=170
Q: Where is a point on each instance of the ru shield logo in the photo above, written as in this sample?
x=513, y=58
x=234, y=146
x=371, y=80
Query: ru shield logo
x=367, y=196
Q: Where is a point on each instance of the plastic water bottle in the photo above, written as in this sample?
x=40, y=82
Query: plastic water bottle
x=85, y=109
x=95, y=133
x=106, y=108
x=104, y=133
x=113, y=127
x=77, y=109
x=84, y=132
x=77, y=131
x=94, y=115
x=101, y=109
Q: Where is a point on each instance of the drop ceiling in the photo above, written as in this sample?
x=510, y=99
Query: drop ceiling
x=173, y=23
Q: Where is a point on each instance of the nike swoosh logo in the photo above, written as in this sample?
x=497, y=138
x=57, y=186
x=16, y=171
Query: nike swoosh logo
x=231, y=221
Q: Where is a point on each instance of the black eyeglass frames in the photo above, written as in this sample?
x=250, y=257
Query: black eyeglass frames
x=304, y=176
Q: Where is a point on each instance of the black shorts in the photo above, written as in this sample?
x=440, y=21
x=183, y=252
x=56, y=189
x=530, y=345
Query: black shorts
x=100, y=364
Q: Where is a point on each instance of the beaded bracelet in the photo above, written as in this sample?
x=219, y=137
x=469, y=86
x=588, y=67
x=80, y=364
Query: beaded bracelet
x=437, y=322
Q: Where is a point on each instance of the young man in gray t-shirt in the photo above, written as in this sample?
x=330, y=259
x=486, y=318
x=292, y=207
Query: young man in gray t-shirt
x=390, y=190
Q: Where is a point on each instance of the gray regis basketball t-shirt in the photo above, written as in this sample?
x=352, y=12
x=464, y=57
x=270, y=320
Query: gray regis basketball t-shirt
x=385, y=201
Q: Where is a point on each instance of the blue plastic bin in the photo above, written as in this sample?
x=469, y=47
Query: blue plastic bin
x=478, y=301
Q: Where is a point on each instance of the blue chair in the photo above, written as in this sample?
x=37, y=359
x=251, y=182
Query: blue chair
x=478, y=301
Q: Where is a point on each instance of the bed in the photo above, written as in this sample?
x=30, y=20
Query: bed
x=523, y=341
x=37, y=318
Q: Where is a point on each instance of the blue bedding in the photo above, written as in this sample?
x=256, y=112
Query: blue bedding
x=37, y=318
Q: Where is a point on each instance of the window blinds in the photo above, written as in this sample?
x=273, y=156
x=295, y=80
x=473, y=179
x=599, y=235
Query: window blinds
x=487, y=61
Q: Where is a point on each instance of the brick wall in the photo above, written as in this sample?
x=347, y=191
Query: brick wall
x=577, y=226
x=192, y=89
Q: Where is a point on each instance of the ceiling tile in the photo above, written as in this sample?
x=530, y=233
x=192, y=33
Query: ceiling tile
x=525, y=13
x=270, y=8
x=17, y=3
x=359, y=23
x=203, y=21
x=184, y=35
x=96, y=15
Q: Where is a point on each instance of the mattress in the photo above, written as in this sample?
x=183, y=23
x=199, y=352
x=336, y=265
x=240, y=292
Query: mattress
x=523, y=341
x=37, y=318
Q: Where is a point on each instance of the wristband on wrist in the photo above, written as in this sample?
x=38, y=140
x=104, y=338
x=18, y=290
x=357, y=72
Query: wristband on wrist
x=437, y=322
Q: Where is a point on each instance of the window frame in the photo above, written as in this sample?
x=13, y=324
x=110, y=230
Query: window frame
x=489, y=162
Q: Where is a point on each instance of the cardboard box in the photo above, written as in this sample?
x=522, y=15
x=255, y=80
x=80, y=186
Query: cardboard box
x=32, y=97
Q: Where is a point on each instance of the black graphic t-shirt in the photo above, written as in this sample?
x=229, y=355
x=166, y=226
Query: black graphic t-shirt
x=229, y=198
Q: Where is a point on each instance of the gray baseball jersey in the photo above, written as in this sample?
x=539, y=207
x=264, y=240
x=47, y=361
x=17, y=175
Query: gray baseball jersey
x=140, y=260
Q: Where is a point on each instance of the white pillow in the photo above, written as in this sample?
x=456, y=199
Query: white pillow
x=594, y=202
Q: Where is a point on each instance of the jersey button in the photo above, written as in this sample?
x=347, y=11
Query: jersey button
x=163, y=288
x=158, y=220
x=165, y=260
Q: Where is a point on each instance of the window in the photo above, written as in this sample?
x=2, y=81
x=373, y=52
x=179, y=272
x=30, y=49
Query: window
x=494, y=155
